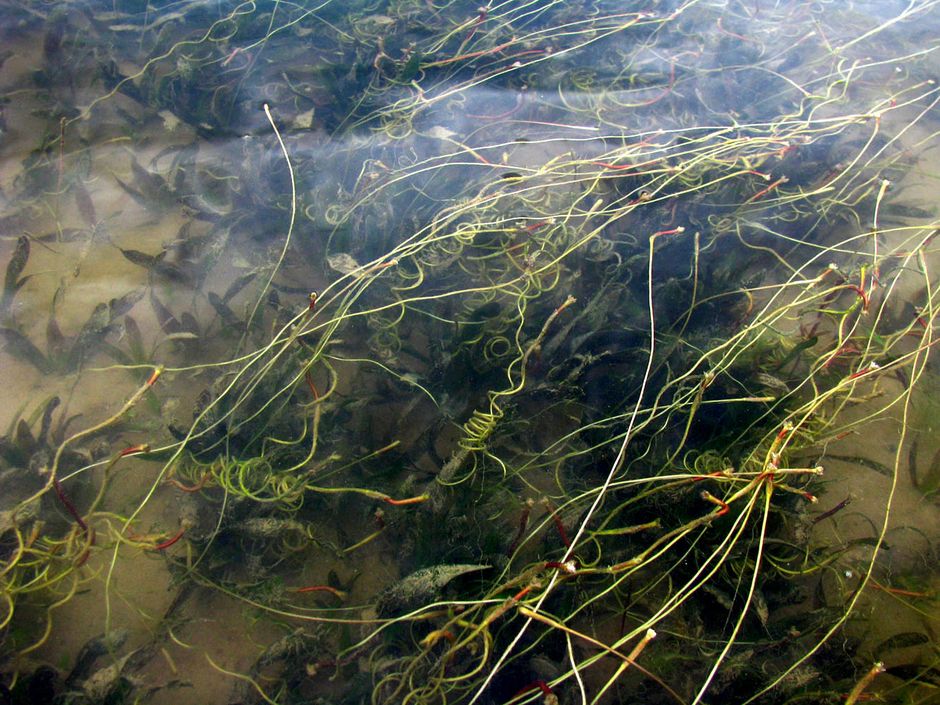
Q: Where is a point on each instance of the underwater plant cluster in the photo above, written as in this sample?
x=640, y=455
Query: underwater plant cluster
x=415, y=351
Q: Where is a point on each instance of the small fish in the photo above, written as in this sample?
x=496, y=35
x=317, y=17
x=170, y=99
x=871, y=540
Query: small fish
x=772, y=383
x=902, y=640
x=93, y=650
x=269, y=527
x=102, y=685
x=422, y=586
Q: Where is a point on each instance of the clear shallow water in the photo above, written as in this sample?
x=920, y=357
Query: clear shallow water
x=439, y=477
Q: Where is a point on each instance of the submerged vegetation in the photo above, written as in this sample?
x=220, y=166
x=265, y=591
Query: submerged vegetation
x=457, y=354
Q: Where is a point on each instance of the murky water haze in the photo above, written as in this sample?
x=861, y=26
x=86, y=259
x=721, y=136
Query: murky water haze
x=386, y=455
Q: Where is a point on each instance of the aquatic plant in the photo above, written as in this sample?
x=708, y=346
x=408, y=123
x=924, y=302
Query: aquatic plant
x=499, y=358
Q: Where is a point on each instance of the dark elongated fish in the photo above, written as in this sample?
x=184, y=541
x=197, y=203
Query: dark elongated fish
x=94, y=649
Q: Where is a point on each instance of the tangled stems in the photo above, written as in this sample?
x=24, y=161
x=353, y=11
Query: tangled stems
x=765, y=478
x=481, y=424
x=746, y=296
x=39, y=563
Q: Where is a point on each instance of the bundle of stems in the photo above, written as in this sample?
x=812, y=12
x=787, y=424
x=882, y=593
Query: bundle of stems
x=596, y=293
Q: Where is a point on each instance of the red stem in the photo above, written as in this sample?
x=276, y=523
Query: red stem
x=559, y=526
x=409, y=500
x=523, y=522
x=170, y=541
x=68, y=505
x=322, y=588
